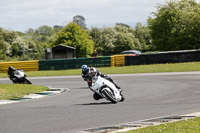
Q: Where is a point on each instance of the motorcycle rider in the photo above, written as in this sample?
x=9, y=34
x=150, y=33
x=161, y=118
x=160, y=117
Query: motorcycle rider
x=92, y=72
x=85, y=70
x=17, y=76
x=11, y=71
x=85, y=75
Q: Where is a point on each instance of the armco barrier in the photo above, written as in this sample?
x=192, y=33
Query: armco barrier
x=112, y=61
x=25, y=65
x=164, y=57
x=117, y=60
x=74, y=63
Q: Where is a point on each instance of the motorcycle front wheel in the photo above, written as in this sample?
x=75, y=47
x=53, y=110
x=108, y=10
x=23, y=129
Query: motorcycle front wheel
x=109, y=96
x=26, y=81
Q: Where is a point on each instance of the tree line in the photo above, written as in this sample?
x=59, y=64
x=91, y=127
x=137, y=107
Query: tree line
x=174, y=26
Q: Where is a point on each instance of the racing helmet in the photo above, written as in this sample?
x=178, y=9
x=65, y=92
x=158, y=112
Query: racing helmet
x=92, y=72
x=10, y=67
x=84, y=68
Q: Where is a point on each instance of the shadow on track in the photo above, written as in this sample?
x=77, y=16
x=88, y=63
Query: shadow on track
x=82, y=88
x=102, y=103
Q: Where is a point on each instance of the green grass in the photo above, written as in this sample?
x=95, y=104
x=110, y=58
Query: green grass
x=13, y=91
x=184, y=126
x=177, y=67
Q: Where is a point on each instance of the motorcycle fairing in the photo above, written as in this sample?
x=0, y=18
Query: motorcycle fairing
x=99, y=83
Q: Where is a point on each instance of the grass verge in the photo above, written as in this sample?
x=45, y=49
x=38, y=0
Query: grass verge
x=184, y=126
x=13, y=91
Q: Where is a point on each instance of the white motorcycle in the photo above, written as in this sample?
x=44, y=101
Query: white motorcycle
x=20, y=77
x=106, y=89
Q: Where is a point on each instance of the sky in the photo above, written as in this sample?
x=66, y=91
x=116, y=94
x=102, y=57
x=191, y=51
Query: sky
x=20, y=15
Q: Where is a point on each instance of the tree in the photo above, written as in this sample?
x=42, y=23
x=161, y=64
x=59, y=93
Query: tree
x=9, y=36
x=3, y=45
x=30, y=31
x=6, y=39
x=176, y=26
x=110, y=40
x=14, y=45
x=57, y=28
x=97, y=35
x=122, y=24
x=125, y=39
x=75, y=36
x=80, y=20
x=43, y=33
x=142, y=33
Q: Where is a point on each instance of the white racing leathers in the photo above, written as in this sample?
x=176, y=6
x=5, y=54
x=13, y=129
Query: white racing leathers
x=106, y=89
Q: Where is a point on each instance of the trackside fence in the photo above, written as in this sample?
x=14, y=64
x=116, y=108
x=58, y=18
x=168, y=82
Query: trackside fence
x=164, y=57
x=74, y=63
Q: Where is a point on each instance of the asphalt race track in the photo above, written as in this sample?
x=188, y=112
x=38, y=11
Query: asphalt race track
x=147, y=96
